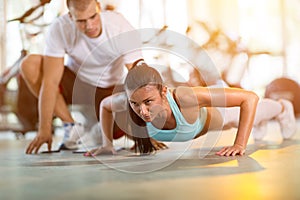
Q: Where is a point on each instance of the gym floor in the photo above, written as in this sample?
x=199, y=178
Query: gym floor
x=269, y=170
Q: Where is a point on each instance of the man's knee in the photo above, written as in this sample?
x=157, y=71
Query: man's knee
x=30, y=66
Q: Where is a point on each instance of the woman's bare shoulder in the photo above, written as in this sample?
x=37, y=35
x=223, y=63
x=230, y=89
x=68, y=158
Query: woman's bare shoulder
x=185, y=95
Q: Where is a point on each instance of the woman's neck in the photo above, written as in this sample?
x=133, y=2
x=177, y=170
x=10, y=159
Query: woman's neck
x=166, y=119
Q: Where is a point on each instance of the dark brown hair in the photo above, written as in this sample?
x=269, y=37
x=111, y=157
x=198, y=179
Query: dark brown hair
x=139, y=76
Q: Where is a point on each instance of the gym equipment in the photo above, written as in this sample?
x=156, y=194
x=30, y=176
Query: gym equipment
x=285, y=88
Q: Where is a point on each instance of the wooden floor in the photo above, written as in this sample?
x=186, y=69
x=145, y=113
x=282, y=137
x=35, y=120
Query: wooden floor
x=269, y=170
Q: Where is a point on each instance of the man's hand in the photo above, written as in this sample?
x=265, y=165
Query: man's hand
x=38, y=141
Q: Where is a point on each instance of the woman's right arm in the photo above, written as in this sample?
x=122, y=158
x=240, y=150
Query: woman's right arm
x=108, y=106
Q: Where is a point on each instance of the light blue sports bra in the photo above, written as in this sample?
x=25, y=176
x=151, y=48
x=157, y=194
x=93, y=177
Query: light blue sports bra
x=184, y=131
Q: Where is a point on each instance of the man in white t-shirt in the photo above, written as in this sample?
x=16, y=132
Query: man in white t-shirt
x=96, y=64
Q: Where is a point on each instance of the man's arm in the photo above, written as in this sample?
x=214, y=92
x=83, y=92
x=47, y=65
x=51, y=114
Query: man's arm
x=53, y=69
x=52, y=73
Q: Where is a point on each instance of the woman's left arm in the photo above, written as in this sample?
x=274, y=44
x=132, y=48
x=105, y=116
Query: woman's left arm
x=247, y=101
x=232, y=97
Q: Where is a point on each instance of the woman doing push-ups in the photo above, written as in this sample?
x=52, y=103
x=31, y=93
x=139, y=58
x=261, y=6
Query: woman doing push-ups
x=155, y=111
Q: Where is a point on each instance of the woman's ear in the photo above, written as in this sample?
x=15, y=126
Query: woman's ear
x=70, y=15
x=164, y=91
x=99, y=5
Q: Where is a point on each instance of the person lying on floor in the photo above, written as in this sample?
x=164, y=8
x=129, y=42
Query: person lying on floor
x=185, y=113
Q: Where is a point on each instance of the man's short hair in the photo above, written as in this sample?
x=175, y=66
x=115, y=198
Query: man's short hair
x=79, y=4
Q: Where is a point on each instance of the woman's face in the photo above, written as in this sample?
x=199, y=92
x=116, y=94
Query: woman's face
x=146, y=102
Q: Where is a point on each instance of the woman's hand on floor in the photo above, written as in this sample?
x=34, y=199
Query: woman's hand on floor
x=101, y=150
x=158, y=145
x=232, y=151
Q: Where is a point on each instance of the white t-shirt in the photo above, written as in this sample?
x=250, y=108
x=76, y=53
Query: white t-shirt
x=97, y=61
